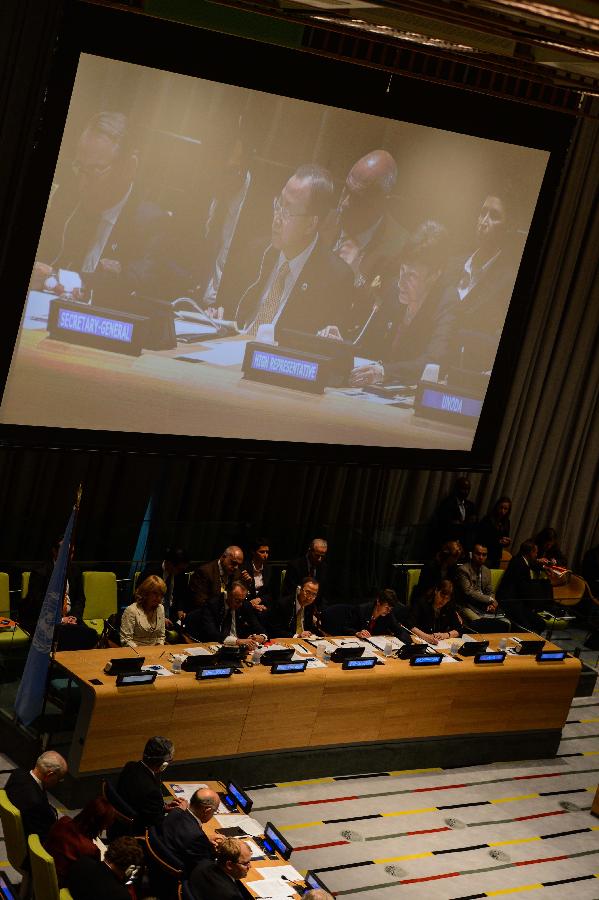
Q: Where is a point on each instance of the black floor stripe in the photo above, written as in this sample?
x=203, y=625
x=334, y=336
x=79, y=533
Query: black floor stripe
x=357, y=777
x=464, y=805
x=579, y=737
x=463, y=849
x=351, y=819
x=470, y=897
x=556, y=793
x=567, y=755
x=568, y=880
x=259, y=787
x=356, y=865
x=546, y=837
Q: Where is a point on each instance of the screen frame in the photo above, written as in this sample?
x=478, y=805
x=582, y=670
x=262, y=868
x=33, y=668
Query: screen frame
x=189, y=50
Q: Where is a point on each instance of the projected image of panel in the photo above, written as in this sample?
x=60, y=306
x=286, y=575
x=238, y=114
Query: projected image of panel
x=218, y=261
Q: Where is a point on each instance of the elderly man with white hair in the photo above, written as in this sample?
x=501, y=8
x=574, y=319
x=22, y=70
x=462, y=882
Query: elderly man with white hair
x=28, y=792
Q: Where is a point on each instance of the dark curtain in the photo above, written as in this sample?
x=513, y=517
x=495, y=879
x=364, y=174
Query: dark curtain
x=546, y=455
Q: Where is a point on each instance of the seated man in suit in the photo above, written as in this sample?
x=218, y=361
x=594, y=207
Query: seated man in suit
x=295, y=614
x=213, y=579
x=314, y=564
x=139, y=783
x=172, y=570
x=475, y=598
x=90, y=879
x=228, y=619
x=181, y=831
x=520, y=593
x=299, y=284
x=27, y=791
x=221, y=880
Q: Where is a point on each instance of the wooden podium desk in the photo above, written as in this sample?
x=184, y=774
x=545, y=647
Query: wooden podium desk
x=260, y=713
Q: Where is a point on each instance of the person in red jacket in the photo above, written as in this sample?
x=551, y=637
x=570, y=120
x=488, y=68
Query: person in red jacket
x=69, y=839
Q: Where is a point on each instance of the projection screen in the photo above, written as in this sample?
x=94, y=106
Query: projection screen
x=219, y=261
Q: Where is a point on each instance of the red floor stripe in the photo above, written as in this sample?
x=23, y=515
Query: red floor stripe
x=429, y=878
x=555, y=812
x=428, y=831
x=532, y=862
x=442, y=787
x=331, y=800
x=321, y=846
x=547, y=775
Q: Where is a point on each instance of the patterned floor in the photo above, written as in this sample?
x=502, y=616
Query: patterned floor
x=434, y=834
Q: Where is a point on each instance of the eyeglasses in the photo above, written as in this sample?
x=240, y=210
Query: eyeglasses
x=309, y=593
x=283, y=211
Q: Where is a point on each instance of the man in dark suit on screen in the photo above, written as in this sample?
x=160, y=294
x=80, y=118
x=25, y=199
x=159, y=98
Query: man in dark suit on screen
x=28, y=792
x=181, y=831
x=300, y=284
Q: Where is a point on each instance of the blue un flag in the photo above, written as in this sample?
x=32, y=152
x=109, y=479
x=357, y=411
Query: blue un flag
x=30, y=696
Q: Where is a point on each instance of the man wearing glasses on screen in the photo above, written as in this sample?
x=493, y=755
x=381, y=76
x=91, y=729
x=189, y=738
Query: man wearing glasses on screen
x=300, y=284
x=98, y=226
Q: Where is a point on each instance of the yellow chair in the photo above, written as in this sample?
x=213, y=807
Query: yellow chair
x=413, y=579
x=12, y=637
x=14, y=836
x=496, y=576
x=24, y=584
x=99, y=589
x=65, y=894
x=43, y=871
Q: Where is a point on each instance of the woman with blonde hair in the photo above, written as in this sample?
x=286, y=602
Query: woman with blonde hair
x=142, y=623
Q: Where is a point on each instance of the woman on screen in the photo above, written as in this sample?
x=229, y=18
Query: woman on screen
x=143, y=621
x=435, y=615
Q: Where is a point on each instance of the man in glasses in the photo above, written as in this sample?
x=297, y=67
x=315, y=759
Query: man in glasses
x=295, y=614
x=97, y=224
x=221, y=880
x=300, y=284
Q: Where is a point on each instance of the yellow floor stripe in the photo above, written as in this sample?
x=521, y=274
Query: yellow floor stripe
x=515, y=799
x=283, y=784
x=301, y=825
x=414, y=771
x=390, y=859
x=515, y=841
x=594, y=719
x=523, y=887
x=408, y=812
x=590, y=752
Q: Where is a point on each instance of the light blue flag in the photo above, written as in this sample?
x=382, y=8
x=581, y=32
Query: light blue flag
x=138, y=563
x=30, y=696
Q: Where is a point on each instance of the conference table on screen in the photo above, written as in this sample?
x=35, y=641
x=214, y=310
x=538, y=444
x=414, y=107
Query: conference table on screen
x=257, y=712
x=58, y=384
x=262, y=868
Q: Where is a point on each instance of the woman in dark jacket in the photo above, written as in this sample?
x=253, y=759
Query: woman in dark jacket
x=435, y=616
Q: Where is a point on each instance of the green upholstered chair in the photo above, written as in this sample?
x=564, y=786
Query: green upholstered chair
x=413, y=579
x=65, y=894
x=43, y=871
x=14, y=836
x=496, y=576
x=99, y=589
x=24, y=584
x=13, y=637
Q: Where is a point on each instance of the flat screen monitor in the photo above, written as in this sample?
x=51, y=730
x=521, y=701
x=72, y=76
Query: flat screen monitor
x=210, y=229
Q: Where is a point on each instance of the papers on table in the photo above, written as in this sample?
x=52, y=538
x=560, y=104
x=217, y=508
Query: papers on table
x=198, y=651
x=381, y=641
x=236, y=820
x=186, y=791
x=257, y=853
x=448, y=659
x=287, y=872
x=275, y=646
x=446, y=645
x=275, y=888
x=218, y=353
x=311, y=661
x=160, y=670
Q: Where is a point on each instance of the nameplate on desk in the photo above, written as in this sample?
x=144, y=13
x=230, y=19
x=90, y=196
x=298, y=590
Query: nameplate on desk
x=205, y=674
x=430, y=659
x=286, y=367
x=441, y=402
x=128, y=679
x=489, y=658
x=282, y=667
x=551, y=656
x=368, y=663
x=92, y=326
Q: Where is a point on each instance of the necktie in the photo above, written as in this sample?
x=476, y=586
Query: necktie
x=299, y=620
x=272, y=301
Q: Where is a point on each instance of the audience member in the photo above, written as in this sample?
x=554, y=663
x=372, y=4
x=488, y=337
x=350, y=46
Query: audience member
x=73, y=633
x=435, y=616
x=28, y=792
x=296, y=614
x=444, y=565
x=314, y=564
x=181, y=830
x=520, y=593
x=299, y=283
x=317, y=894
x=230, y=620
x=493, y=531
x=172, y=570
x=475, y=597
x=142, y=623
x=549, y=550
x=69, y=839
x=385, y=616
x=590, y=569
x=89, y=879
x=101, y=227
x=139, y=784
x=401, y=329
x=455, y=518
x=221, y=879
x=212, y=580
x=256, y=575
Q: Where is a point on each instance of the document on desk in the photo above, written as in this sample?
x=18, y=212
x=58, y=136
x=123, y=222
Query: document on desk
x=274, y=888
x=160, y=670
x=236, y=820
x=219, y=353
x=311, y=661
x=198, y=651
x=381, y=640
x=280, y=872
